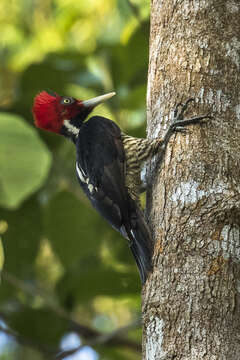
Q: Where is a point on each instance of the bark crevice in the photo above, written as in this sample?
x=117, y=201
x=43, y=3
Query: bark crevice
x=191, y=300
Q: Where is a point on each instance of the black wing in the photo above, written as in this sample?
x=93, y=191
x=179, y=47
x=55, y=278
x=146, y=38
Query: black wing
x=101, y=172
x=101, y=169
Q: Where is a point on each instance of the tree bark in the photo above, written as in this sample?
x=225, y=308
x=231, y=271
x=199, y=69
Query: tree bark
x=191, y=300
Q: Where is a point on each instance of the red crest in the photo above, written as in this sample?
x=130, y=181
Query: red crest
x=46, y=111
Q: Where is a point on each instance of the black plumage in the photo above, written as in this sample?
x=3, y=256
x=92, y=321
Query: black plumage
x=101, y=170
x=109, y=163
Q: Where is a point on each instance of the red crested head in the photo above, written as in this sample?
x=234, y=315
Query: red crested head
x=50, y=111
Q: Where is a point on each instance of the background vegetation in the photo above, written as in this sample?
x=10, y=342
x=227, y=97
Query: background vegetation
x=68, y=278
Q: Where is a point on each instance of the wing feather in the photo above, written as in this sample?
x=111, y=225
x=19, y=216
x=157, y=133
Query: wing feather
x=100, y=156
x=101, y=173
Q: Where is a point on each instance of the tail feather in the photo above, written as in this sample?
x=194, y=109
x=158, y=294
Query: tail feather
x=140, y=243
x=143, y=259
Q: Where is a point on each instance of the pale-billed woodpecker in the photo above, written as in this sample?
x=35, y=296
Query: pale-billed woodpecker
x=109, y=163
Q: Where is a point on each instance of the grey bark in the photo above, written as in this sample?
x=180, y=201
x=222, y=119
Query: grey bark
x=191, y=300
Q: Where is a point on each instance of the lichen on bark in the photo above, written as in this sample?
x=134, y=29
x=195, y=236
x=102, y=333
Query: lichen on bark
x=191, y=300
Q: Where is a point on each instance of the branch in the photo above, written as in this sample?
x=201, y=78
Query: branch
x=47, y=351
x=91, y=335
x=103, y=339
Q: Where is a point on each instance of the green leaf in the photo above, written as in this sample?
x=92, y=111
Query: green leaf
x=24, y=160
x=55, y=73
x=73, y=228
x=134, y=99
x=128, y=63
x=117, y=353
x=90, y=278
x=40, y=325
x=22, y=238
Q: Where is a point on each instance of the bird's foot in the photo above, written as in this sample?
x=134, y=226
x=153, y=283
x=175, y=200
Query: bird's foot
x=178, y=124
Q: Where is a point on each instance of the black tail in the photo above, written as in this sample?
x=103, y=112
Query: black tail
x=141, y=243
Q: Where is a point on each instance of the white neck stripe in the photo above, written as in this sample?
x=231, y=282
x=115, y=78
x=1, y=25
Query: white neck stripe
x=71, y=128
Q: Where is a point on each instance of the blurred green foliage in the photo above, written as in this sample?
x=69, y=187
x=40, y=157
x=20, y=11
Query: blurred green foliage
x=24, y=160
x=65, y=266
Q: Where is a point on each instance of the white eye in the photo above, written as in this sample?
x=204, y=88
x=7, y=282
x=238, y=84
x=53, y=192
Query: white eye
x=67, y=101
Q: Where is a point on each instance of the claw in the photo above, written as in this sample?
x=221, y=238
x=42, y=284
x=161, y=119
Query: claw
x=178, y=124
x=180, y=129
x=179, y=116
x=175, y=113
x=179, y=121
x=188, y=101
x=193, y=120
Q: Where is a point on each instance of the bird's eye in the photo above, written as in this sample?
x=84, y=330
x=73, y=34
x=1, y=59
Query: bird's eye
x=67, y=101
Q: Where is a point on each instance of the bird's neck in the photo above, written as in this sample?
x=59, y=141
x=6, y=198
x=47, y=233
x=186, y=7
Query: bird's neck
x=71, y=128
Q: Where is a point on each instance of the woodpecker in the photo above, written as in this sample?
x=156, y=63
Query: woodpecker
x=109, y=163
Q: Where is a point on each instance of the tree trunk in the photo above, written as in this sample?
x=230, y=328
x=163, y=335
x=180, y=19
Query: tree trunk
x=191, y=300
